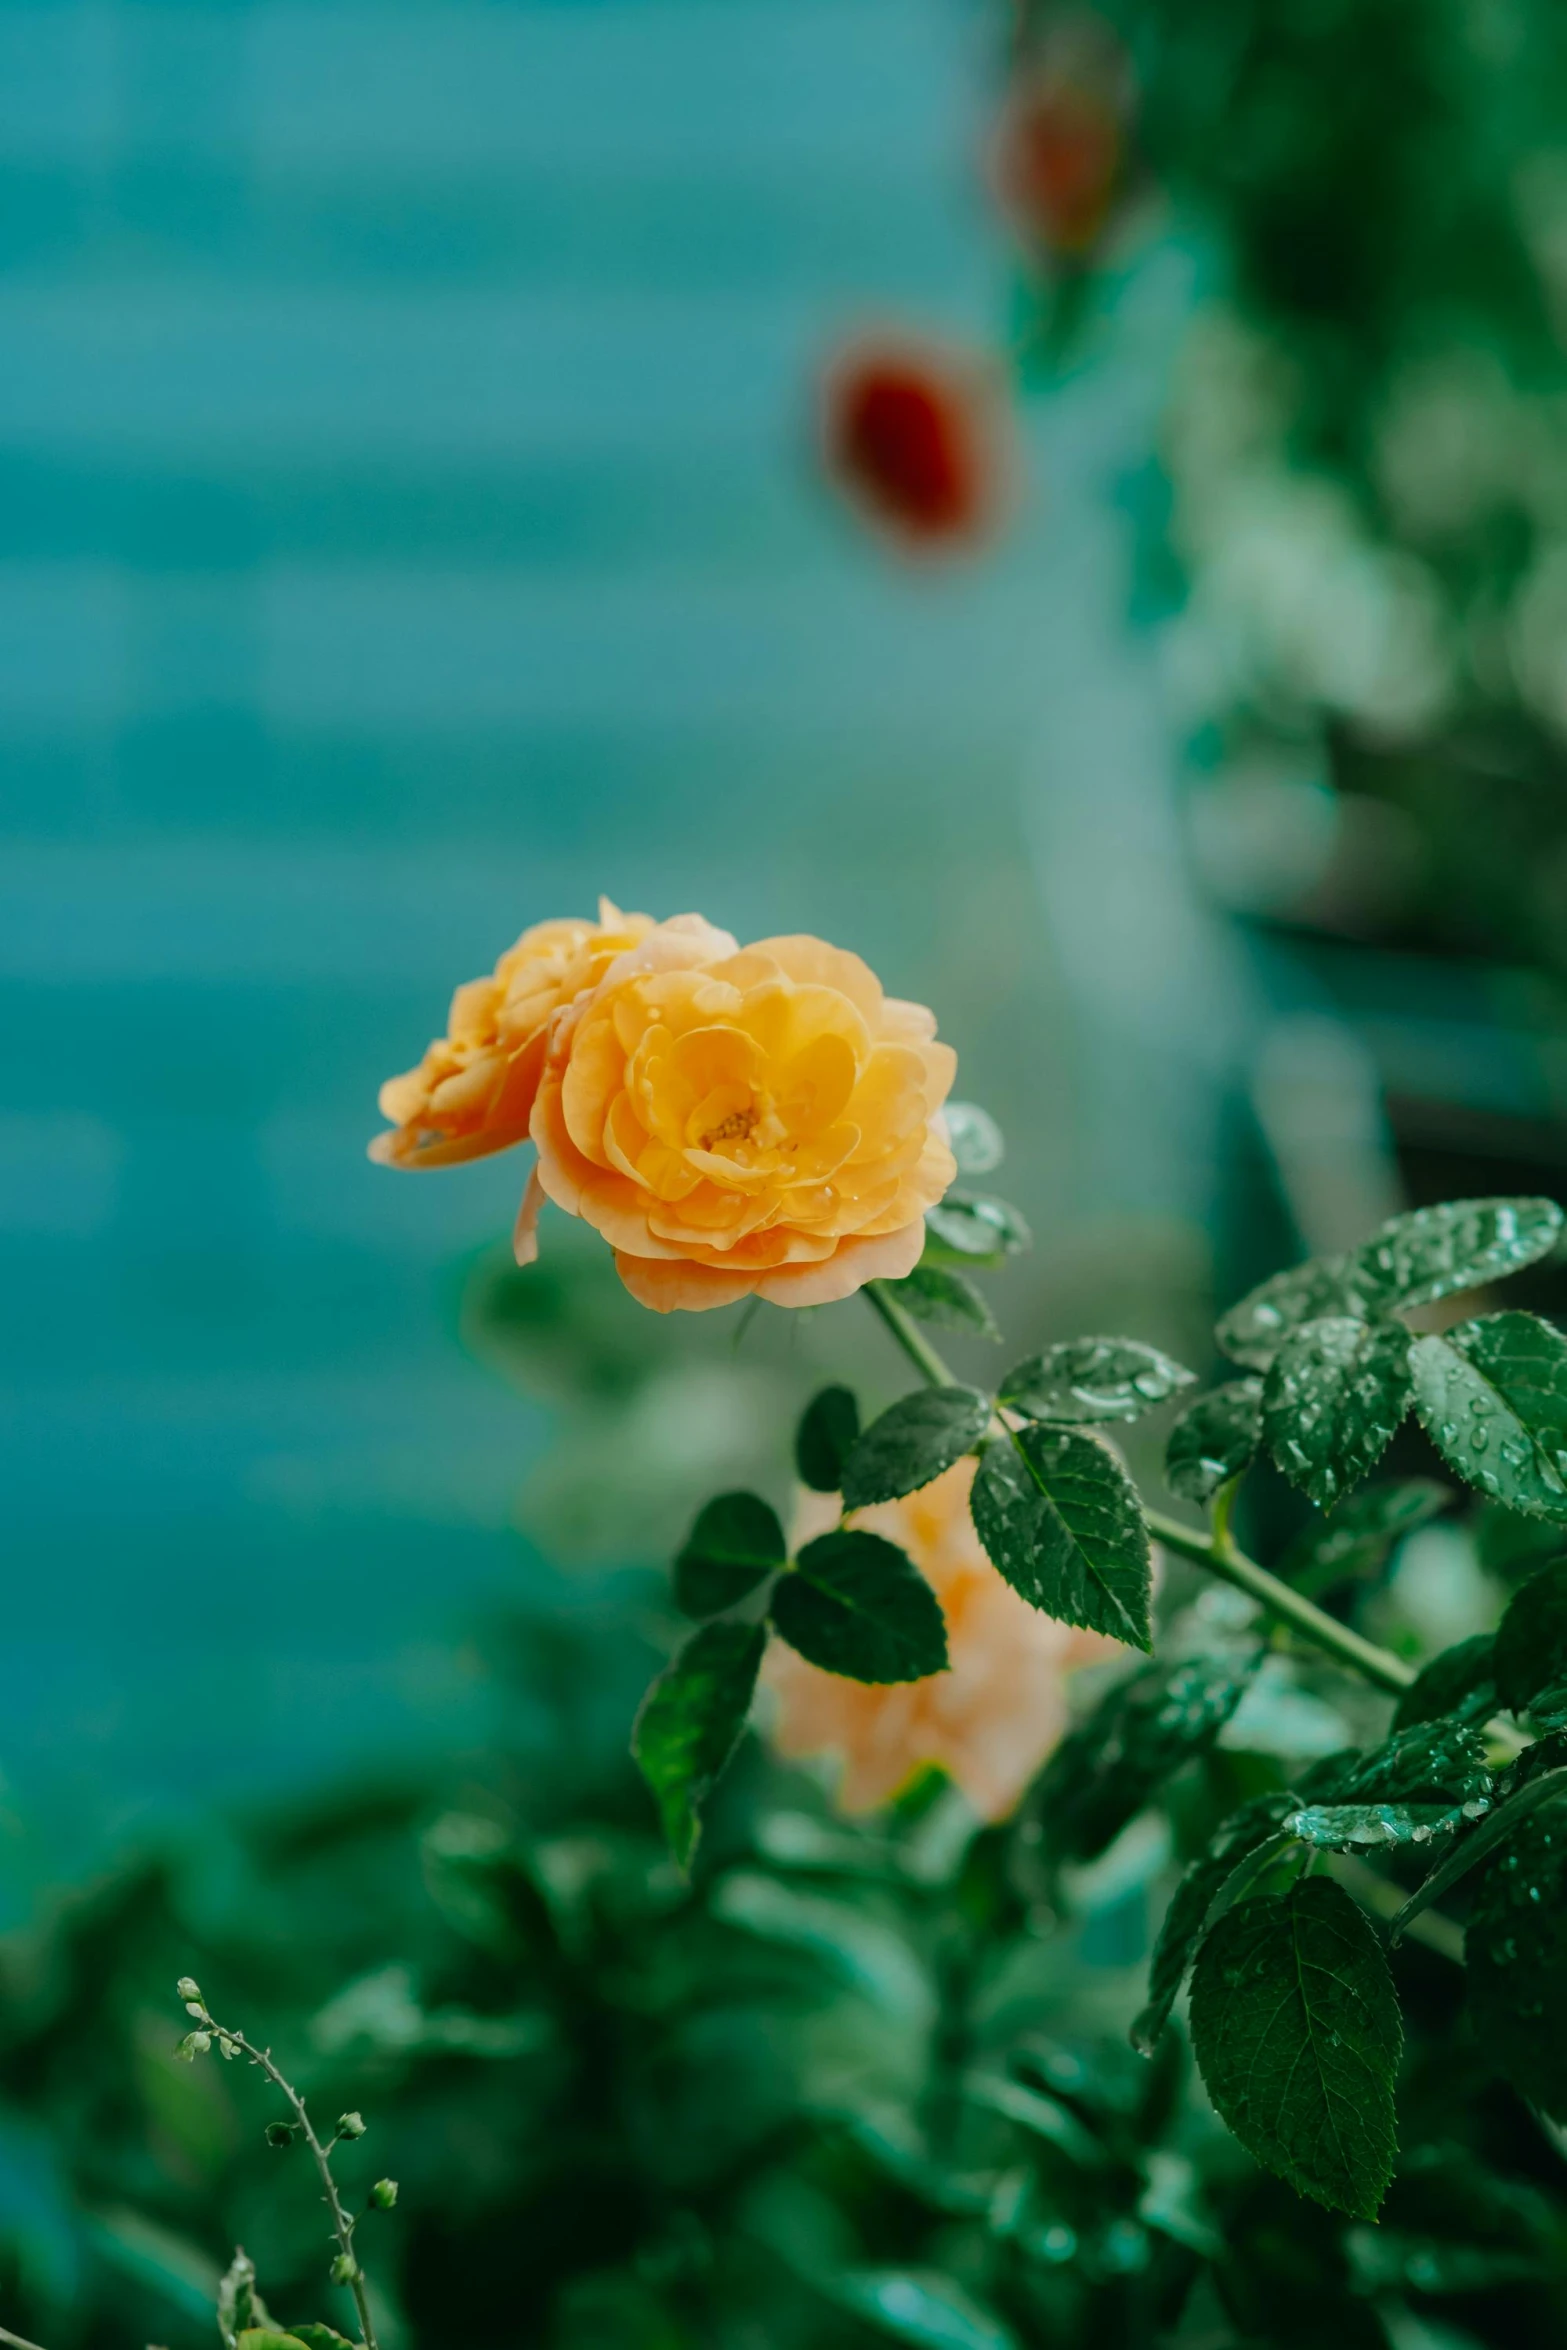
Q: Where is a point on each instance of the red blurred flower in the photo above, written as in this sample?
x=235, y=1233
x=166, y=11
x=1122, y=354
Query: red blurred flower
x=918, y=437
x=1059, y=157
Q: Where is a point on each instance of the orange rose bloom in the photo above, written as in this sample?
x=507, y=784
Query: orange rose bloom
x=473, y=1091
x=989, y=1721
x=760, y=1124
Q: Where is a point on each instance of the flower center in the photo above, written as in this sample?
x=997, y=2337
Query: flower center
x=739, y=1126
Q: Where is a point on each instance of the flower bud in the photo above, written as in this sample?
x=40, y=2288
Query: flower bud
x=187, y=1988
x=384, y=2194
x=195, y=2007
x=346, y=2269
x=350, y=2125
x=193, y=2045
x=280, y=2133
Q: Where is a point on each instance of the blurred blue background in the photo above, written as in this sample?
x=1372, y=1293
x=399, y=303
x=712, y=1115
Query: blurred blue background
x=411, y=525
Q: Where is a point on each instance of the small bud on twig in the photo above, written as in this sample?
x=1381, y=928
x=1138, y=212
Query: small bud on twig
x=346, y=2270
x=187, y=1988
x=350, y=2125
x=384, y=2194
x=280, y=2133
x=193, y=2045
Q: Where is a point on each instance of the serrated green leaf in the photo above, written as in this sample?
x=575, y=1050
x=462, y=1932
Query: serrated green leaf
x=935, y=1293
x=1254, y=1329
x=826, y=1436
x=971, y=1227
x=1437, y=1252
x=859, y=1606
x=1492, y=1397
x=1332, y=1401
x=1460, y=1681
x=1093, y=1379
x=735, y=1545
x=975, y=1137
x=914, y=1441
x=1141, y=1732
x=1215, y=1439
x=1531, y=1641
x=1357, y=1537
x=690, y=1721
x=1297, y=2035
x=923, y=2309
x=1060, y=1519
x=1498, y=1828
x=1341, y=1827
x=1440, y=1762
x=1245, y=1832
x=1515, y=1950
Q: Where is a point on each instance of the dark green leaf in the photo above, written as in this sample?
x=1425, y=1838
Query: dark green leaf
x=1191, y=1905
x=920, y=2308
x=914, y=1440
x=1440, y=1762
x=935, y=1293
x=690, y=1723
x=1460, y=1681
x=825, y=1438
x=1060, y=1518
x=1531, y=1643
x=1497, y=1829
x=1253, y=1331
x=1141, y=1732
x=1436, y=1252
x=1332, y=1400
x=971, y=1227
x=1297, y=2034
x=1361, y=1531
x=1492, y=1397
x=735, y=1544
x=1516, y=1952
x=857, y=1605
x=321, y=2338
x=1214, y=1439
x=975, y=1138
x=1340, y=1827
x=1086, y=1379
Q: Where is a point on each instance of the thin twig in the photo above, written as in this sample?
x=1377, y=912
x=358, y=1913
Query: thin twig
x=16, y=2341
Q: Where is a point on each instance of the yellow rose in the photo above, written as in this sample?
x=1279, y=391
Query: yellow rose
x=989, y=1721
x=763, y=1124
x=473, y=1091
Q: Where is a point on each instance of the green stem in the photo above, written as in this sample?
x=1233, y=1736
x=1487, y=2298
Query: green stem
x=909, y=1335
x=1214, y=1551
x=16, y=2341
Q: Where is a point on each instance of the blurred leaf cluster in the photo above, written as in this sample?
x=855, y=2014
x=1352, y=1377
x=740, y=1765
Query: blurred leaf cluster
x=1367, y=447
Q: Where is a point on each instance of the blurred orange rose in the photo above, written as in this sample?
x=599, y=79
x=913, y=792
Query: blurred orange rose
x=989, y=1721
x=763, y=1122
x=473, y=1091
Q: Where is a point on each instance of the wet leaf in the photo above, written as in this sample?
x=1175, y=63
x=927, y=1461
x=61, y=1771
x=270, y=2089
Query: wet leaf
x=1492, y=1397
x=735, y=1545
x=1141, y=1732
x=935, y=1293
x=1253, y=1330
x=1437, y=1252
x=1341, y=1827
x=1516, y=1952
x=690, y=1722
x=972, y=1227
x=913, y=1442
x=1297, y=2034
x=922, y=2309
x=1461, y=1681
x=1441, y=1762
x=1192, y=1903
x=1060, y=1518
x=1356, y=1539
x=1088, y=1379
x=975, y=1137
x=825, y=1437
x=1214, y=1439
x=859, y=1606
x=1498, y=1828
x=1332, y=1401
x=1531, y=1641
